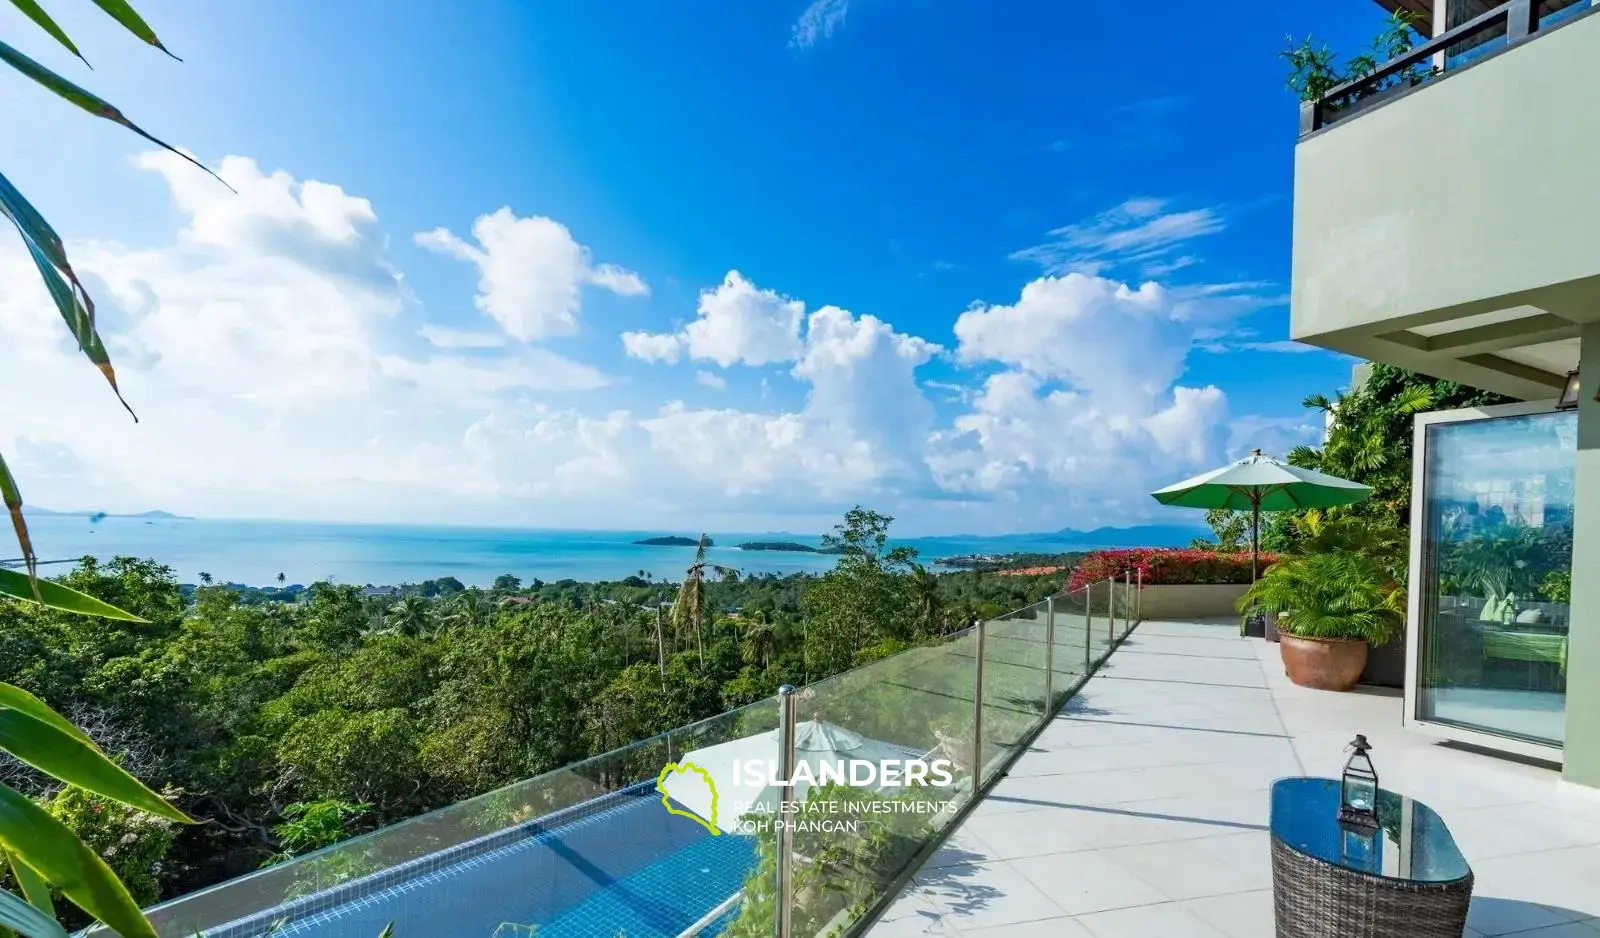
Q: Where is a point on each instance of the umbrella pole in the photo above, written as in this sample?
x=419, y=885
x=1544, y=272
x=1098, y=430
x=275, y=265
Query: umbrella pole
x=1255, y=536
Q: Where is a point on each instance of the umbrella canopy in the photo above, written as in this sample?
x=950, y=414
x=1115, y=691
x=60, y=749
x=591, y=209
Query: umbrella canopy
x=1262, y=483
x=815, y=743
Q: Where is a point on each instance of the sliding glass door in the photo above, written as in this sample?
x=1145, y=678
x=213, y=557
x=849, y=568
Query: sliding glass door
x=1493, y=572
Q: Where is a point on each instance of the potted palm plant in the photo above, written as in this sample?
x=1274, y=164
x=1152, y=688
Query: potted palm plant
x=1329, y=607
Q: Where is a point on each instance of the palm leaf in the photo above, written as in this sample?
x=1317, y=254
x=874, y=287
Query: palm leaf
x=35, y=229
x=33, y=11
x=27, y=921
x=56, y=853
x=16, y=698
x=76, y=313
x=56, y=596
x=87, y=101
x=120, y=11
x=34, y=888
x=13, y=502
x=76, y=761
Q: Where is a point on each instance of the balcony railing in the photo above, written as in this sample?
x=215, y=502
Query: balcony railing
x=1488, y=34
x=593, y=849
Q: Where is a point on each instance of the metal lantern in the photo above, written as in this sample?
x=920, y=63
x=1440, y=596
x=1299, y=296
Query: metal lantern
x=1358, y=787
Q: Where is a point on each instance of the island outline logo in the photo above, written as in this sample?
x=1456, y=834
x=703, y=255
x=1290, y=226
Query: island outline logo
x=686, y=767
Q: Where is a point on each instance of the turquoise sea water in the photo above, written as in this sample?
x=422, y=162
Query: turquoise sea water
x=255, y=552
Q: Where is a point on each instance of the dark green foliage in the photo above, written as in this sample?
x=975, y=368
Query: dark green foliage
x=265, y=709
x=1314, y=69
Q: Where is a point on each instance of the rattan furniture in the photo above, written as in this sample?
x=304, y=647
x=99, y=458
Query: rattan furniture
x=1404, y=880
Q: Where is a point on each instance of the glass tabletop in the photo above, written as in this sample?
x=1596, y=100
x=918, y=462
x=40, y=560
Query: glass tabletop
x=1412, y=842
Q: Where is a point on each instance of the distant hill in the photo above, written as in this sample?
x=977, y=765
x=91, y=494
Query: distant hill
x=792, y=546
x=673, y=541
x=156, y=515
x=1143, y=535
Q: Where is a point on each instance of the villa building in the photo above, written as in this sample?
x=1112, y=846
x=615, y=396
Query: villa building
x=1445, y=221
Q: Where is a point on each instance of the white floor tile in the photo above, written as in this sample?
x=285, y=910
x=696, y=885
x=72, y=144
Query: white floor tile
x=1087, y=882
x=1239, y=915
x=1168, y=921
x=986, y=894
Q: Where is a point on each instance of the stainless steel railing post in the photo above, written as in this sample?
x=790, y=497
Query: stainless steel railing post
x=1111, y=613
x=1127, y=600
x=785, y=819
x=1138, y=597
x=1049, y=654
x=977, y=712
x=1088, y=629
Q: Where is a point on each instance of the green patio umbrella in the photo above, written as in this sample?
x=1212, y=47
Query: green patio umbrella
x=1260, y=483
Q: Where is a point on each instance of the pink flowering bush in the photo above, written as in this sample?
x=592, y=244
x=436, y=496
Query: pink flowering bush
x=1162, y=566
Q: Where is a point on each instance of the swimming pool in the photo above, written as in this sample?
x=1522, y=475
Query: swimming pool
x=624, y=866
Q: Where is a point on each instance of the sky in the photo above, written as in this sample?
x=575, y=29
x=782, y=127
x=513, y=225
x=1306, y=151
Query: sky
x=733, y=265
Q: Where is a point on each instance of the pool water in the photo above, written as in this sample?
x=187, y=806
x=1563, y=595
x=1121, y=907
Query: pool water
x=631, y=870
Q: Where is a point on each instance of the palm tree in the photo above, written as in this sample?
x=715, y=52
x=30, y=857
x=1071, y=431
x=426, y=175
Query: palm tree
x=760, y=639
x=205, y=578
x=689, y=608
x=281, y=579
x=467, y=610
x=410, y=616
x=925, y=597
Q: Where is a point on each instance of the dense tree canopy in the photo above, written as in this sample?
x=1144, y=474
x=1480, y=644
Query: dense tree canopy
x=286, y=717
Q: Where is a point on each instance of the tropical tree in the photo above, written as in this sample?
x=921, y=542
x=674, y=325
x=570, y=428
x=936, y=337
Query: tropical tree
x=468, y=610
x=760, y=638
x=926, y=600
x=688, y=611
x=864, y=600
x=205, y=578
x=45, y=247
x=281, y=579
x=411, y=616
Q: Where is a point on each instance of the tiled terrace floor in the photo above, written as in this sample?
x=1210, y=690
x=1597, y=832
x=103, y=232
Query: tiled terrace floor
x=1142, y=809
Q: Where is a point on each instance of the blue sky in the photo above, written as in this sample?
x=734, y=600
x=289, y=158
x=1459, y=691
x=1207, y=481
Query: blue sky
x=972, y=196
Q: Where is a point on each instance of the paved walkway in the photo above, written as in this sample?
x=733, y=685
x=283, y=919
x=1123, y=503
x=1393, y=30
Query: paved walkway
x=1142, y=809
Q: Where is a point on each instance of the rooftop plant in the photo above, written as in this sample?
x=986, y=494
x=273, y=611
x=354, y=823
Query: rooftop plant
x=1334, y=594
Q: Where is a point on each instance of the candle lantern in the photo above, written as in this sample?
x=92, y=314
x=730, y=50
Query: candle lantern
x=1358, y=788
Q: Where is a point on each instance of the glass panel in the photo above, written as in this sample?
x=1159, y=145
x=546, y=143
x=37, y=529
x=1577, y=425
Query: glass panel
x=852, y=839
x=1013, y=683
x=1098, y=600
x=1067, y=664
x=1497, y=572
x=587, y=844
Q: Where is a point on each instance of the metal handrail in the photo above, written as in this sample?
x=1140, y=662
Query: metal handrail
x=1521, y=20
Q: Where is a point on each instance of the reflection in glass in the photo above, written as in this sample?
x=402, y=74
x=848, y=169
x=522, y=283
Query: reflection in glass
x=1496, y=574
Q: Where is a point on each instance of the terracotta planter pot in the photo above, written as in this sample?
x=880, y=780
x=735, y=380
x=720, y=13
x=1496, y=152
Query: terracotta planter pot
x=1323, y=664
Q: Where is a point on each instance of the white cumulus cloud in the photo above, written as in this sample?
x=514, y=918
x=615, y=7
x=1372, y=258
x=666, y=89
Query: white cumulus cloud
x=736, y=323
x=530, y=272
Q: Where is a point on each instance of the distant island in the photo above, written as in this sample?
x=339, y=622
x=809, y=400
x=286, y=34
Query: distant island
x=674, y=541
x=789, y=546
x=141, y=515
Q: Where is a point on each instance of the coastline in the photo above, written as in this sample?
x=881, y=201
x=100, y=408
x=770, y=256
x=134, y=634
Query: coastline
x=255, y=552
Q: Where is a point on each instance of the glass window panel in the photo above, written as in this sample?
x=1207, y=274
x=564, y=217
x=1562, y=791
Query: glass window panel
x=1496, y=574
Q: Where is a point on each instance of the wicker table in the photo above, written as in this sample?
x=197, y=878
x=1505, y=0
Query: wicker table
x=1405, y=880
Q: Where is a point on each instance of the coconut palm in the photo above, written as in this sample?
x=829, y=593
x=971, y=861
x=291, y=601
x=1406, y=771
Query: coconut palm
x=467, y=610
x=925, y=598
x=760, y=638
x=688, y=611
x=66, y=290
x=205, y=578
x=410, y=616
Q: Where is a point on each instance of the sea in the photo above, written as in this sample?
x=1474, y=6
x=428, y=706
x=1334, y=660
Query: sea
x=253, y=553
